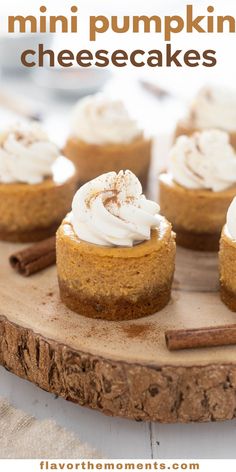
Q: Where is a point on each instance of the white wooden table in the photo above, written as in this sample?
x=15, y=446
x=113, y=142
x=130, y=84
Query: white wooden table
x=119, y=438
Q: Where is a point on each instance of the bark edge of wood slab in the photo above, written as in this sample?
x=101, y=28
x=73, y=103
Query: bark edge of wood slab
x=166, y=394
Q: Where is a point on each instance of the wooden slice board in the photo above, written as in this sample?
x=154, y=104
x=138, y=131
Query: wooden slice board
x=121, y=368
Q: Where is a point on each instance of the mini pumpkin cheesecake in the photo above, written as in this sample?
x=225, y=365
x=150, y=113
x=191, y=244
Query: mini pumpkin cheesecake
x=105, y=138
x=213, y=107
x=196, y=191
x=36, y=184
x=227, y=259
x=115, y=254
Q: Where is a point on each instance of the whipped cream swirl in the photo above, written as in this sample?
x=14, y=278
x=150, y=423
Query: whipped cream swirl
x=204, y=161
x=112, y=211
x=214, y=107
x=100, y=120
x=26, y=154
x=231, y=220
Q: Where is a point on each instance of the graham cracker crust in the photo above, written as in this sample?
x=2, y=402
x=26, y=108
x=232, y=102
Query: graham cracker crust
x=31, y=236
x=208, y=242
x=228, y=297
x=120, y=309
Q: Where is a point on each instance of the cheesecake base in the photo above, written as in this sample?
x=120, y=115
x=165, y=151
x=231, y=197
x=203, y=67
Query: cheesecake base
x=115, y=283
x=115, y=309
x=197, y=241
x=227, y=267
x=32, y=212
x=30, y=236
x=228, y=297
x=197, y=215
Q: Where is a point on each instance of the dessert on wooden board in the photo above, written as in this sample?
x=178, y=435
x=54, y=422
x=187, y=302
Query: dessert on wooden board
x=115, y=254
x=121, y=368
x=104, y=138
x=197, y=189
x=121, y=272
x=36, y=184
x=213, y=107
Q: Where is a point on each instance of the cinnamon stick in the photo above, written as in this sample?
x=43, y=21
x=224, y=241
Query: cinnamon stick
x=35, y=258
x=200, y=337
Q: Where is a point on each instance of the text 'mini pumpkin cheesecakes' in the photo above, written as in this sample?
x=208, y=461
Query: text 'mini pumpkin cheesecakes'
x=104, y=138
x=36, y=184
x=196, y=191
x=227, y=257
x=115, y=253
x=213, y=107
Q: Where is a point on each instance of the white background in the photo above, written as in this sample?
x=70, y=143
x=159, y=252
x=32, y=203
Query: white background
x=120, y=438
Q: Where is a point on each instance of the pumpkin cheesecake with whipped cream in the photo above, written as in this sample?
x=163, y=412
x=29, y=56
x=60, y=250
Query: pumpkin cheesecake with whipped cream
x=213, y=107
x=227, y=258
x=36, y=184
x=104, y=137
x=115, y=253
x=197, y=189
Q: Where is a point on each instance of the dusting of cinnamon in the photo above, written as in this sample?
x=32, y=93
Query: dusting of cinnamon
x=113, y=199
x=137, y=330
x=110, y=199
